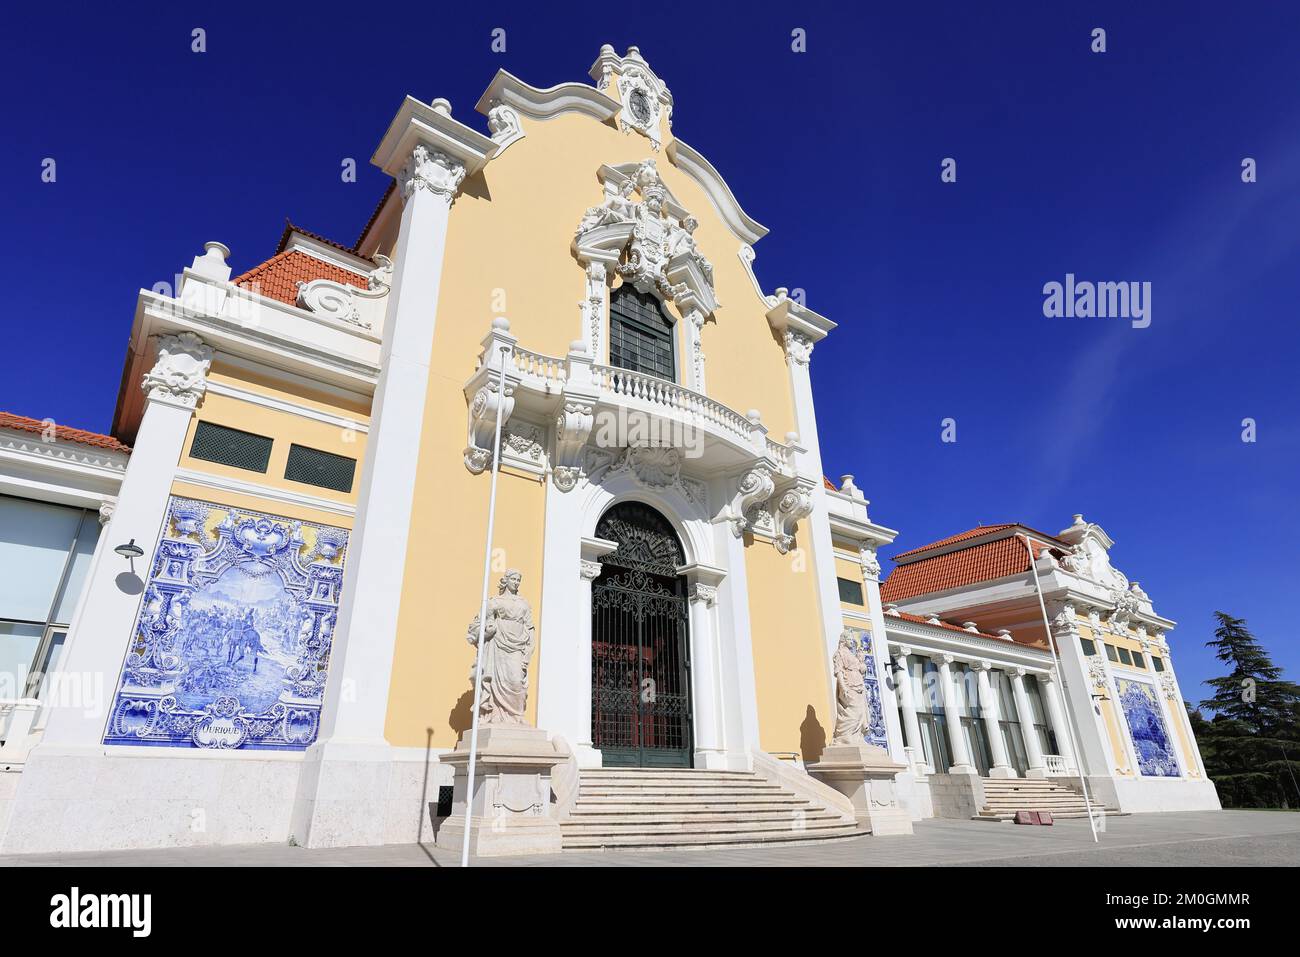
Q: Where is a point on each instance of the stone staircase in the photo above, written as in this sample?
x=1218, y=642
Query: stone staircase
x=1003, y=797
x=659, y=808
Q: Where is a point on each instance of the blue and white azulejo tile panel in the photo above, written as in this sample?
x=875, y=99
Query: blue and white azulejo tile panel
x=876, y=733
x=231, y=646
x=1146, y=726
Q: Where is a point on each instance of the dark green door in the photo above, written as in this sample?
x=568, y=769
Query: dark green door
x=640, y=664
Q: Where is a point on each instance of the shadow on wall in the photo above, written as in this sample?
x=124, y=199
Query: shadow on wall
x=459, y=718
x=812, y=737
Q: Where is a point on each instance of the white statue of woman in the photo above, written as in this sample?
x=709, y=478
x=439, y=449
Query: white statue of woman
x=851, y=718
x=508, y=640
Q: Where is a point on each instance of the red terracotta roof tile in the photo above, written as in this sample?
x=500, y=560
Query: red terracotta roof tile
x=23, y=424
x=290, y=229
x=966, y=566
x=829, y=484
x=278, y=277
x=953, y=539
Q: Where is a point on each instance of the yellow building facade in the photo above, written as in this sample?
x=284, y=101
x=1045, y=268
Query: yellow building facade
x=553, y=329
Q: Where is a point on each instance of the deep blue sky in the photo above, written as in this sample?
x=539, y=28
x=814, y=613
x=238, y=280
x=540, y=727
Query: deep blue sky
x=1119, y=166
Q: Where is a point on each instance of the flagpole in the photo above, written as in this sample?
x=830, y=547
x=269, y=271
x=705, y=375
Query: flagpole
x=482, y=612
x=1069, y=712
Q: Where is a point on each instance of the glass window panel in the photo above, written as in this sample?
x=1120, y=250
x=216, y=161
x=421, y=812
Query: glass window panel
x=1138, y=660
x=1035, y=699
x=18, y=643
x=80, y=568
x=1088, y=647
x=1125, y=657
x=1111, y=653
x=34, y=541
x=53, y=658
x=1006, y=696
x=1158, y=662
x=850, y=591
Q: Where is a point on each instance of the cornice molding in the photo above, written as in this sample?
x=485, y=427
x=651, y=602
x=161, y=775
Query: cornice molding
x=545, y=104
x=63, y=453
x=926, y=639
x=694, y=165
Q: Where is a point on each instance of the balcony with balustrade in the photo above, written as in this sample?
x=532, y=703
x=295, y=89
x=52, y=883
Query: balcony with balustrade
x=586, y=400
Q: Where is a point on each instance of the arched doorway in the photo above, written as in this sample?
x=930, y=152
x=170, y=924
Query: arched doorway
x=640, y=644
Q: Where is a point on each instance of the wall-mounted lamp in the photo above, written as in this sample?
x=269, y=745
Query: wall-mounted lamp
x=130, y=550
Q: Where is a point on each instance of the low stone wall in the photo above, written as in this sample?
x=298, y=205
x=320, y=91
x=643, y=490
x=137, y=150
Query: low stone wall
x=956, y=795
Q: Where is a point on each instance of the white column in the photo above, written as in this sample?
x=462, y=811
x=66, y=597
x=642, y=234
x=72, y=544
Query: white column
x=952, y=717
x=710, y=744
x=347, y=766
x=1181, y=713
x=1056, y=714
x=740, y=696
x=989, y=712
x=808, y=464
x=98, y=643
x=362, y=655
x=907, y=702
x=1037, y=767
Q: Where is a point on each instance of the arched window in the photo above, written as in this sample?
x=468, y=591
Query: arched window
x=640, y=334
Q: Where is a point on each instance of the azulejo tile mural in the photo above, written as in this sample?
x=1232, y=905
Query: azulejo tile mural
x=232, y=643
x=1146, y=726
x=876, y=733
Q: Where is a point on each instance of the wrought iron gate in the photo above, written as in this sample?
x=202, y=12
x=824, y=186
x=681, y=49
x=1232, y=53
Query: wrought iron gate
x=640, y=662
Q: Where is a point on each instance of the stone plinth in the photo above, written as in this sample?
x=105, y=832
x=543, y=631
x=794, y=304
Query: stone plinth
x=865, y=775
x=511, y=811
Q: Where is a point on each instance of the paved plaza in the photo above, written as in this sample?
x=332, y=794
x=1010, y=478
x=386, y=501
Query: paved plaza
x=1190, y=839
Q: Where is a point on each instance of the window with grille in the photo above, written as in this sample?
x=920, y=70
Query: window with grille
x=225, y=446
x=324, y=469
x=850, y=591
x=640, y=334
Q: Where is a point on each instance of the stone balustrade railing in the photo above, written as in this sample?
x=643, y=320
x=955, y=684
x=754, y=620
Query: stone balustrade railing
x=669, y=395
x=1055, y=765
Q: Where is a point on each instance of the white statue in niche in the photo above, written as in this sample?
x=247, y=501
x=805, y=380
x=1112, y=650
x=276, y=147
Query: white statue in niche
x=851, y=717
x=508, y=640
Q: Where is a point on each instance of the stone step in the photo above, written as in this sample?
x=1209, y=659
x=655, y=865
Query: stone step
x=652, y=842
x=674, y=807
x=1021, y=798
x=691, y=773
x=649, y=800
x=653, y=818
x=1056, y=816
x=727, y=826
x=670, y=791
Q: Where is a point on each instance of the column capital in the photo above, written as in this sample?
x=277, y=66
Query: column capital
x=941, y=660
x=433, y=170
x=708, y=594
x=798, y=347
x=870, y=563
x=1019, y=672
x=904, y=651
x=982, y=666
x=180, y=374
x=1048, y=676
